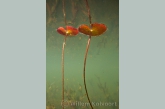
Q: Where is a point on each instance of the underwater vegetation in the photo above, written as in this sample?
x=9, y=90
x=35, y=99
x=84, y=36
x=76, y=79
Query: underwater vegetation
x=75, y=93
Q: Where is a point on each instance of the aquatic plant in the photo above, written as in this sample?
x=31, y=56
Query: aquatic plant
x=94, y=29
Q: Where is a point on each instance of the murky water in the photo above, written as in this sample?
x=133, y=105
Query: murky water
x=102, y=68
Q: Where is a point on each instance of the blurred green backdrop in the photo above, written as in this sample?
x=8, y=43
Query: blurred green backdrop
x=102, y=68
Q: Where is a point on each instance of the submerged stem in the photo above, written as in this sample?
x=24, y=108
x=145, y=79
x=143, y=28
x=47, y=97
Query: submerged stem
x=86, y=53
x=63, y=48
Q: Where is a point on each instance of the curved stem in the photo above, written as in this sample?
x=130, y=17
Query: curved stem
x=90, y=21
x=86, y=53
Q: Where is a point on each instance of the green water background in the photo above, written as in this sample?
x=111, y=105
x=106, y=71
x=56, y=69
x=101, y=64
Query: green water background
x=102, y=68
